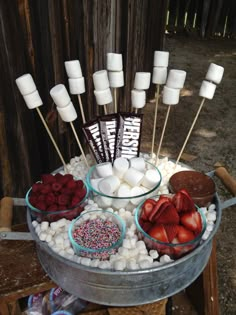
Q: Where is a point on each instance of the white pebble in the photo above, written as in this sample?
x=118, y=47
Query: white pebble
x=165, y=259
x=153, y=253
x=120, y=264
x=42, y=236
x=44, y=226
x=85, y=261
x=104, y=264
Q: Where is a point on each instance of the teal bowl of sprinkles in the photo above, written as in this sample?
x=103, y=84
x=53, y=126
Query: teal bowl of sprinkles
x=97, y=234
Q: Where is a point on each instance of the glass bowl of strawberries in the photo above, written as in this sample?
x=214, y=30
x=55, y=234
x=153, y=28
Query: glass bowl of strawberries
x=172, y=224
x=56, y=196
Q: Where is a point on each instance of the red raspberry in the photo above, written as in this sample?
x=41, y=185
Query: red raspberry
x=71, y=185
x=79, y=184
x=37, y=187
x=66, y=191
x=48, y=178
x=52, y=207
x=56, y=186
x=46, y=189
x=33, y=200
x=50, y=199
x=41, y=197
x=63, y=200
x=41, y=205
x=58, y=177
x=65, y=179
x=75, y=201
x=80, y=193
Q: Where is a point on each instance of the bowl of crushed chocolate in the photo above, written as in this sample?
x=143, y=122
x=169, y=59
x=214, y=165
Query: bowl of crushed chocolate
x=200, y=186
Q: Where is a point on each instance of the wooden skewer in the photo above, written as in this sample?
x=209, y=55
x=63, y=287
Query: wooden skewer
x=115, y=99
x=163, y=131
x=155, y=119
x=105, y=109
x=79, y=144
x=81, y=109
x=51, y=137
x=190, y=130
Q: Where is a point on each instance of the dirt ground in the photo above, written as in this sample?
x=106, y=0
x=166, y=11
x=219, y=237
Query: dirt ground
x=212, y=139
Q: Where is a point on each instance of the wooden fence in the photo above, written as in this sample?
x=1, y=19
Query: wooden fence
x=208, y=18
x=37, y=36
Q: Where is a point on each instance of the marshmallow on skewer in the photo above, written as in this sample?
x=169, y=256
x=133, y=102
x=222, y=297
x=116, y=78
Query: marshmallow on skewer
x=159, y=75
x=161, y=58
x=170, y=96
x=103, y=97
x=67, y=113
x=207, y=90
x=215, y=73
x=100, y=80
x=176, y=79
x=76, y=86
x=60, y=95
x=142, y=80
x=73, y=69
x=116, y=79
x=114, y=62
x=138, y=99
x=25, y=84
x=33, y=100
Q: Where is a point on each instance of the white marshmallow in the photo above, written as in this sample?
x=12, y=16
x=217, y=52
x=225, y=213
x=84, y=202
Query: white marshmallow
x=104, y=169
x=51, y=243
x=54, y=226
x=116, y=79
x=132, y=265
x=120, y=264
x=133, y=177
x=126, y=243
x=140, y=245
x=77, y=86
x=138, y=98
x=73, y=69
x=67, y=113
x=35, y=223
x=215, y=73
x=59, y=240
x=211, y=216
x=144, y=264
x=142, y=80
x=138, y=163
x=100, y=80
x=42, y=236
x=104, y=264
x=170, y=96
x=136, y=191
x=62, y=222
x=210, y=227
x=94, y=183
x=109, y=185
x=103, y=97
x=33, y=100
x=60, y=95
x=85, y=261
x=153, y=253
x=151, y=178
x=176, y=79
x=25, y=84
x=161, y=58
x=114, y=62
x=165, y=259
x=44, y=225
x=120, y=166
x=212, y=207
x=94, y=263
x=159, y=75
x=206, y=235
x=104, y=201
x=69, y=251
x=124, y=252
x=207, y=90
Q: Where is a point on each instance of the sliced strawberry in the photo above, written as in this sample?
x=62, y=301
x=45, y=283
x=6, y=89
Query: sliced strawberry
x=159, y=233
x=184, y=235
x=183, y=201
x=167, y=215
x=177, y=200
x=56, y=186
x=148, y=206
x=48, y=178
x=146, y=226
x=63, y=200
x=66, y=191
x=71, y=184
x=171, y=231
x=157, y=207
x=192, y=221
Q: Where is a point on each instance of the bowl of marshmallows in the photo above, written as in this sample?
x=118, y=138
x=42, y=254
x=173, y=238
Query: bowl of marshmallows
x=123, y=184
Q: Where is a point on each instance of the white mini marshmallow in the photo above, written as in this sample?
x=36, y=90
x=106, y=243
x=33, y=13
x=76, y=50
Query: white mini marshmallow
x=77, y=86
x=176, y=79
x=114, y=62
x=44, y=225
x=59, y=240
x=109, y=185
x=60, y=95
x=138, y=163
x=170, y=96
x=206, y=235
x=73, y=69
x=122, y=192
x=210, y=227
x=104, y=169
x=69, y=250
x=25, y=84
x=212, y=207
x=133, y=177
x=51, y=243
x=54, y=226
x=35, y=223
x=138, y=98
x=33, y=100
x=68, y=113
x=165, y=259
x=215, y=73
x=153, y=253
x=61, y=223
x=211, y=216
x=161, y=58
x=207, y=90
x=119, y=264
x=85, y=261
x=151, y=178
x=136, y=191
x=120, y=166
x=132, y=265
x=126, y=243
x=140, y=245
x=103, y=97
x=100, y=80
x=104, y=264
x=116, y=79
x=124, y=252
x=94, y=263
x=142, y=80
x=42, y=236
x=145, y=264
x=159, y=75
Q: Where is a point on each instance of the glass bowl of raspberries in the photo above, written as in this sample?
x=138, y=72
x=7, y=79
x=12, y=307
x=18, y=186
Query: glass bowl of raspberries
x=171, y=224
x=56, y=196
